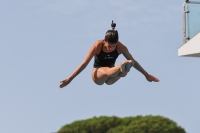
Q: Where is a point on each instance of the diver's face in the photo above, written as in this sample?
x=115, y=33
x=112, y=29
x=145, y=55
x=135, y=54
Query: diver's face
x=110, y=46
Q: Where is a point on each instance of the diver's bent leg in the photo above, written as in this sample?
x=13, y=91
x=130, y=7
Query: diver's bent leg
x=122, y=74
x=128, y=66
x=114, y=71
x=102, y=74
x=99, y=75
x=112, y=80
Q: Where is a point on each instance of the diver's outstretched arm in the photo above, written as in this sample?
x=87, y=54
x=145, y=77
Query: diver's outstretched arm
x=74, y=74
x=149, y=77
x=80, y=68
x=137, y=66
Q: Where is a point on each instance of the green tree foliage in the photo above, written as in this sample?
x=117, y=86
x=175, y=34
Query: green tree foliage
x=138, y=124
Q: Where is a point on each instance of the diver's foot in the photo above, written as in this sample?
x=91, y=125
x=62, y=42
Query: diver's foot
x=128, y=65
x=123, y=66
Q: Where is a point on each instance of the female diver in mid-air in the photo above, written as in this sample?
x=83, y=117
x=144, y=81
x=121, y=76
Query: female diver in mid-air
x=105, y=53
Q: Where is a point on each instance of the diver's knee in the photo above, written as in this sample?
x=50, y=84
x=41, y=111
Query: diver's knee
x=108, y=83
x=98, y=83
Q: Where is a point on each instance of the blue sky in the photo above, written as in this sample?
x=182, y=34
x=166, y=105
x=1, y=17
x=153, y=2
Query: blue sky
x=42, y=42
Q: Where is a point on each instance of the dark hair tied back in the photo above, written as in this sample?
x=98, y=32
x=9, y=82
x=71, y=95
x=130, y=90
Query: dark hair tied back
x=112, y=35
x=113, y=25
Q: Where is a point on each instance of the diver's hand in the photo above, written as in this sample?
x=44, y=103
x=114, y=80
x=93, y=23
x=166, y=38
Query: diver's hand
x=151, y=78
x=64, y=82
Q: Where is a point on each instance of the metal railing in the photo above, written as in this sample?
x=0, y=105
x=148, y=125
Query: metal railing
x=188, y=30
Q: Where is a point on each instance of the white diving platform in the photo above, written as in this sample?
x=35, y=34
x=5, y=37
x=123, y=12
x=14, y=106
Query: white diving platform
x=191, y=48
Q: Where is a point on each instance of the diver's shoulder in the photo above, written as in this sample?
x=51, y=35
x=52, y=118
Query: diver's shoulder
x=98, y=43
